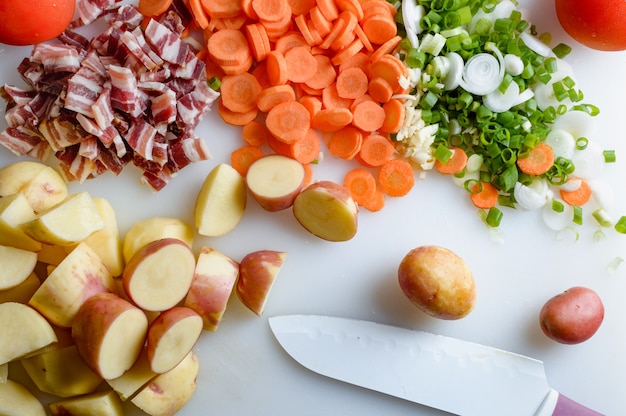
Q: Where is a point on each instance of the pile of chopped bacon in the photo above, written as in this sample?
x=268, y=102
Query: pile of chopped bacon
x=133, y=94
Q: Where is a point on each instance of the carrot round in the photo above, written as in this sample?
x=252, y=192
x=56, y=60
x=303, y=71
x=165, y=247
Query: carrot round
x=379, y=28
x=254, y=133
x=301, y=7
x=153, y=8
x=352, y=83
x=312, y=103
x=484, y=195
x=199, y=14
x=347, y=52
x=325, y=74
x=329, y=120
x=331, y=98
x=361, y=185
x=242, y=157
x=320, y=22
x=270, y=10
x=258, y=40
x=228, y=47
x=276, y=68
x=376, y=202
x=539, y=160
x=289, y=121
x=396, y=177
x=307, y=150
x=235, y=118
x=389, y=68
x=301, y=64
x=346, y=142
x=380, y=90
x=290, y=41
x=579, y=196
x=274, y=95
x=222, y=8
x=455, y=164
x=239, y=92
x=368, y=116
x=376, y=150
x=395, y=113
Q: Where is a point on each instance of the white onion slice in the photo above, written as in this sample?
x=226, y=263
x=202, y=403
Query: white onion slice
x=532, y=196
x=513, y=64
x=562, y=143
x=558, y=220
x=536, y=45
x=483, y=72
x=589, y=162
x=455, y=72
x=577, y=123
x=499, y=102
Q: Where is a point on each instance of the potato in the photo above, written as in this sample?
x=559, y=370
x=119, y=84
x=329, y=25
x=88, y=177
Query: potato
x=572, y=316
x=103, y=403
x=17, y=400
x=257, y=273
x=438, y=282
x=275, y=181
x=152, y=229
x=327, y=210
x=221, y=202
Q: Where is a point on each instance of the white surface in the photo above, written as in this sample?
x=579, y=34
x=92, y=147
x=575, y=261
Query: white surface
x=243, y=369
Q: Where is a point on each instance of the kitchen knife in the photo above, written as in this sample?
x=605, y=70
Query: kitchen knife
x=459, y=377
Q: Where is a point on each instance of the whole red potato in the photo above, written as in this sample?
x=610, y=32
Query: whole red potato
x=572, y=316
x=27, y=22
x=597, y=24
x=437, y=281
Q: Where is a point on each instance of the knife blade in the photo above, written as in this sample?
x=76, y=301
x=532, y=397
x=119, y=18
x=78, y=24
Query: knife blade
x=449, y=374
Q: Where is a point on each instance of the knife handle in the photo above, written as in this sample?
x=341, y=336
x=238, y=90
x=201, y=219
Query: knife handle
x=557, y=404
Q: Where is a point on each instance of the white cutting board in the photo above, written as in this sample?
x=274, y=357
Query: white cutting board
x=245, y=372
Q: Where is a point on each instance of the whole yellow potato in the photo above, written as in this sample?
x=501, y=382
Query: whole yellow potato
x=437, y=281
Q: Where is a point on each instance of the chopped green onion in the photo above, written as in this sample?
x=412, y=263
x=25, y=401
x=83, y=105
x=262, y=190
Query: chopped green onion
x=581, y=143
x=561, y=50
x=442, y=153
x=214, y=83
x=609, y=156
x=601, y=216
x=557, y=206
x=620, y=225
x=494, y=217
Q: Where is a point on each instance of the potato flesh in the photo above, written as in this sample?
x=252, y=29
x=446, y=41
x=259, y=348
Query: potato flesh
x=275, y=176
x=152, y=229
x=17, y=265
x=181, y=337
x=119, y=346
x=24, y=331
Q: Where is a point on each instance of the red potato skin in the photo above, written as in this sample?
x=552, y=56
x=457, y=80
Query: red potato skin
x=573, y=316
x=597, y=24
x=257, y=272
x=90, y=324
x=27, y=22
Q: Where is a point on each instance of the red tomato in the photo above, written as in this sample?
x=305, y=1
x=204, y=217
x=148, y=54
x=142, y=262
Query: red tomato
x=598, y=24
x=26, y=22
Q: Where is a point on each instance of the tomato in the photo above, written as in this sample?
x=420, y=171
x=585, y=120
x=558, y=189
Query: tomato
x=597, y=24
x=26, y=22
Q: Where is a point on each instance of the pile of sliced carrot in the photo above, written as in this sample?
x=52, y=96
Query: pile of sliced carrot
x=301, y=74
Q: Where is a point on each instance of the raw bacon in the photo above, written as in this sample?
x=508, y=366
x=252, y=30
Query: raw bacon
x=128, y=95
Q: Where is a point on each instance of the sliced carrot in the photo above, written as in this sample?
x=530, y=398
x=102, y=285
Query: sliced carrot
x=242, y=157
x=228, y=47
x=279, y=146
x=389, y=68
x=359, y=100
x=346, y=22
x=255, y=133
x=301, y=64
x=258, y=41
x=328, y=8
x=310, y=91
x=289, y=41
x=484, y=195
x=368, y=116
x=153, y=8
x=395, y=113
x=239, y=93
x=199, y=14
x=343, y=41
x=276, y=68
x=377, y=7
x=396, y=177
x=379, y=28
x=234, y=118
x=353, y=6
x=579, y=196
x=260, y=73
x=314, y=33
x=376, y=202
x=347, y=52
x=329, y=120
x=270, y=10
x=386, y=48
x=306, y=150
x=359, y=60
x=539, y=160
x=358, y=31
x=375, y=150
x=300, y=7
x=236, y=22
x=302, y=25
x=331, y=98
x=308, y=175
x=277, y=28
x=246, y=7
x=274, y=95
x=320, y=22
x=222, y=8
x=361, y=185
x=455, y=164
x=380, y=90
x=325, y=74
x=289, y=121
x=345, y=143
x=238, y=68
x=352, y=83
x=312, y=103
